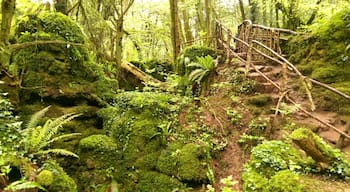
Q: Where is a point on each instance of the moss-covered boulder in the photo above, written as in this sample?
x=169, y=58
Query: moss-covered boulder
x=188, y=162
x=54, y=63
x=323, y=53
x=99, y=160
x=60, y=180
x=154, y=181
x=141, y=124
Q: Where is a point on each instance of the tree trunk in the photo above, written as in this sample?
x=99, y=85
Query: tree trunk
x=61, y=6
x=277, y=24
x=241, y=8
x=253, y=11
x=314, y=13
x=175, y=35
x=187, y=27
x=7, y=11
x=309, y=142
x=208, y=20
x=119, y=41
x=200, y=18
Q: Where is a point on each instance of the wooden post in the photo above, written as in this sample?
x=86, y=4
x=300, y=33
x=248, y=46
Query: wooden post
x=284, y=78
x=228, y=43
x=341, y=139
x=249, y=52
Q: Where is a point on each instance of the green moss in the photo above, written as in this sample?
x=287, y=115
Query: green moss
x=285, y=181
x=260, y=100
x=192, y=163
x=198, y=51
x=61, y=181
x=253, y=181
x=57, y=70
x=153, y=181
x=187, y=162
x=339, y=166
x=273, y=156
x=98, y=142
x=322, y=53
x=45, y=177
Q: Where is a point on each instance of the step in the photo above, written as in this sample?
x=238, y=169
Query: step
x=265, y=87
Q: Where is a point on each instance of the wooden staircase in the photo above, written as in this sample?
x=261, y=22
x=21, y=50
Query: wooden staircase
x=257, y=48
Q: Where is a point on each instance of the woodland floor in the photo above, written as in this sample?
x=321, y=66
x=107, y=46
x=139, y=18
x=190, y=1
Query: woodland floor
x=230, y=161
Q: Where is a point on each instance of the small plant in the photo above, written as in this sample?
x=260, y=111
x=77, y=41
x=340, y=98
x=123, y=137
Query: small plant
x=258, y=126
x=250, y=140
x=234, y=116
x=227, y=185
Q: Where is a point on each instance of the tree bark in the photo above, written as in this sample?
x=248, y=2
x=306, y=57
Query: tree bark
x=175, y=35
x=241, y=8
x=61, y=6
x=200, y=18
x=187, y=28
x=314, y=13
x=307, y=141
x=253, y=11
x=208, y=19
x=7, y=11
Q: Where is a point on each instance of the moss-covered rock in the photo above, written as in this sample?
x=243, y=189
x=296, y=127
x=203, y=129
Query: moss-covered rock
x=285, y=181
x=273, y=156
x=153, y=181
x=61, y=181
x=260, y=100
x=60, y=66
x=188, y=162
x=323, y=53
x=139, y=124
x=45, y=178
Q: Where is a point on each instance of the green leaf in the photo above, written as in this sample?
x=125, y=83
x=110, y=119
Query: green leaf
x=58, y=152
x=22, y=185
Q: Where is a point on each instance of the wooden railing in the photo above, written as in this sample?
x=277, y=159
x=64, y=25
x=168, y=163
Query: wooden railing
x=259, y=44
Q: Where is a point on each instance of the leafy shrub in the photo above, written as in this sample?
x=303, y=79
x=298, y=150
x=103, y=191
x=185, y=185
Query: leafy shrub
x=285, y=181
x=235, y=117
x=10, y=126
x=272, y=156
x=271, y=164
x=257, y=126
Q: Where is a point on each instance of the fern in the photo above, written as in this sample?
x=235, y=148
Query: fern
x=23, y=185
x=63, y=152
x=34, y=120
x=38, y=138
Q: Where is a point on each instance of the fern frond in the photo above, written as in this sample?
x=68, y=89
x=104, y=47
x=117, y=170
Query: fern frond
x=33, y=122
x=202, y=75
x=22, y=185
x=62, y=138
x=195, y=74
x=33, y=138
x=54, y=126
x=63, y=152
x=196, y=65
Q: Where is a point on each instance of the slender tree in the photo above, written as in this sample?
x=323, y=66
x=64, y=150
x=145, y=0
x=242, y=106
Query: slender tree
x=7, y=11
x=175, y=35
x=241, y=8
